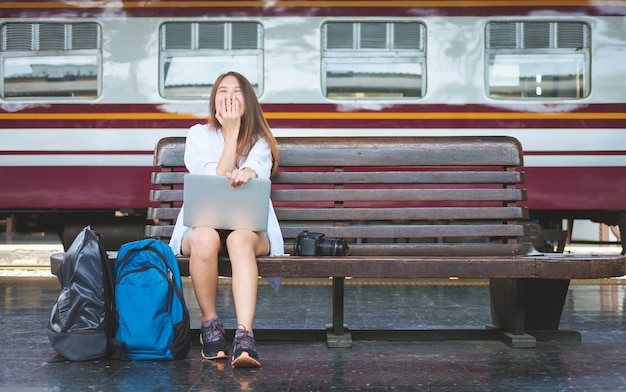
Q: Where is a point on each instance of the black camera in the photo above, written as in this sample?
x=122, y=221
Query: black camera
x=315, y=244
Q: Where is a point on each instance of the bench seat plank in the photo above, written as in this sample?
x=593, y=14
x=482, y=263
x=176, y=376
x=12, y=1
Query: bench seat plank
x=564, y=266
x=440, y=267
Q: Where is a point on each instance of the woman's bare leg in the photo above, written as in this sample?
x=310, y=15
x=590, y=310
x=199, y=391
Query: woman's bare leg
x=243, y=247
x=202, y=244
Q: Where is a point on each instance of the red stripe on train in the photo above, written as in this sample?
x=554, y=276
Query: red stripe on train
x=321, y=116
x=326, y=123
x=192, y=108
x=81, y=187
x=549, y=188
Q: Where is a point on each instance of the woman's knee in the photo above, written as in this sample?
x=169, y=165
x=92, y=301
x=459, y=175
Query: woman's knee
x=240, y=240
x=202, y=240
x=245, y=243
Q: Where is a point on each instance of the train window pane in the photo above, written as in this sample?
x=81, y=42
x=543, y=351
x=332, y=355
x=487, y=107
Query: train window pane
x=373, y=60
x=193, y=77
x=194, y=54
x=537, y=60
x=51, y=76
x=517, y=76
x=50, y=60
x=361, y=80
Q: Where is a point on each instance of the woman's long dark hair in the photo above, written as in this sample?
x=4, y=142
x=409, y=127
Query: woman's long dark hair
x=253, y=124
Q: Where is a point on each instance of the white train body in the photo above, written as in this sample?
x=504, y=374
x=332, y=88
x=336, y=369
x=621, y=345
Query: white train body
x=76, y=139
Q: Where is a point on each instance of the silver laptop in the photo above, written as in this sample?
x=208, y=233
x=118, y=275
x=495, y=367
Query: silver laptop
x=210, y=201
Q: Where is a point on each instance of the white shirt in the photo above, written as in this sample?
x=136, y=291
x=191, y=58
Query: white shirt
x=203, y=150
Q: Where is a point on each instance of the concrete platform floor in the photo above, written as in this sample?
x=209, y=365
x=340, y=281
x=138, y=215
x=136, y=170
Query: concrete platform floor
x=598, y=363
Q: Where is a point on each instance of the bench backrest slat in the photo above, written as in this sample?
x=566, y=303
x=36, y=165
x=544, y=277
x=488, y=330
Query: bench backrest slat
x=390, y=177
x=376, y=151
x=366, y=214
x=406, y=195
x=383, y=213
x=405, y=231
x=396, y=177
x=389, y=194
x=401, y=151
x=372, y=195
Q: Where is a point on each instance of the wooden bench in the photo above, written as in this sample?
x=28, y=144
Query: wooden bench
x=410, y=207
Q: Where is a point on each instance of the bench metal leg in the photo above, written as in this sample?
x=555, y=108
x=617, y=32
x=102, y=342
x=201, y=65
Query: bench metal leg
x=527, y=310
x=337, y=334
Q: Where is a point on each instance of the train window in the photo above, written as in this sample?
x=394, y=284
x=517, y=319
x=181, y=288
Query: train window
x=373, y=60
x=537, y=60
x=194, y=54
x=52, y=60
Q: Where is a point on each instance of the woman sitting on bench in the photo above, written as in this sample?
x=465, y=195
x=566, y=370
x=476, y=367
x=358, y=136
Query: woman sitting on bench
x=238, y=143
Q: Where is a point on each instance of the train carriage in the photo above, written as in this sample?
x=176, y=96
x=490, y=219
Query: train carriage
x=87, y=88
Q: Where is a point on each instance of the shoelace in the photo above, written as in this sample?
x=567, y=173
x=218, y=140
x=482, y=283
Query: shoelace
x=244, y=340
x=213, y=332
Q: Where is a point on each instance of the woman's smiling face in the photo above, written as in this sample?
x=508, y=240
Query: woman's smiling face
x=228, y=90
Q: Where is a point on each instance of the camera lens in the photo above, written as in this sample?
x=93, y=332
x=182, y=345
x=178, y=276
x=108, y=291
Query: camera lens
x=332, y=247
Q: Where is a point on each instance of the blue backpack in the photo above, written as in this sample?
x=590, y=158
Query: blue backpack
x=153, y=320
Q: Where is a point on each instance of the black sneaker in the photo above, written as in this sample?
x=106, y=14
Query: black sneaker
x=212, y=340
x=244, y=352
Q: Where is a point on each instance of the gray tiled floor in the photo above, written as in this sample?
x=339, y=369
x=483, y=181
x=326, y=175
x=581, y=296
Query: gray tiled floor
x=597, y=363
